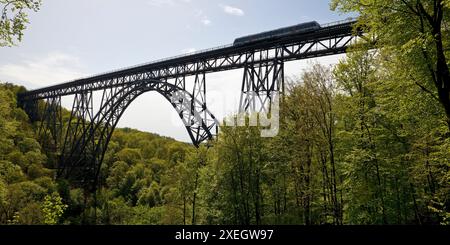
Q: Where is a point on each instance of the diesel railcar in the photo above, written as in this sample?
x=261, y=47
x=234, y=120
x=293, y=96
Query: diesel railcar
x=297, y=29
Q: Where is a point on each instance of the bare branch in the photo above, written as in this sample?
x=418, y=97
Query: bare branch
x=425, y=53
x=410, y=7
x=427, y=91
x=424, y=12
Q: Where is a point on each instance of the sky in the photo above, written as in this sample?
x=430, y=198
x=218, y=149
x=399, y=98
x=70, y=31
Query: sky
x=69, y=39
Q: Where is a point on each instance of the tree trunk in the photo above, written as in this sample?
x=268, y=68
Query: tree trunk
x=194, y=197
x=184, y=210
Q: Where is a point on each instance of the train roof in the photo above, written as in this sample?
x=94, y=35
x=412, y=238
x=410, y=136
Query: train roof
x=313, y=23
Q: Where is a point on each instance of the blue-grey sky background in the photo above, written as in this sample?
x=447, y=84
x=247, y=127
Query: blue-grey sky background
x=68, y=39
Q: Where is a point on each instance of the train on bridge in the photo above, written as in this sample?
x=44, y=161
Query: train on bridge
x=278, y=33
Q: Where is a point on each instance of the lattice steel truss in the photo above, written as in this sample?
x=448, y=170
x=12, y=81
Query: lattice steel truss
x=50, y=129
x=260, y=80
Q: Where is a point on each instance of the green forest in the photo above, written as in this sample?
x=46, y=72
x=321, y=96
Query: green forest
x=364, y=142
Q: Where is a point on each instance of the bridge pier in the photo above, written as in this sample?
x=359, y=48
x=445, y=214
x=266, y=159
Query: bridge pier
x=51, y=122
x=31, y=108
x=81, y=116
x=260, y=81
x=198, y=104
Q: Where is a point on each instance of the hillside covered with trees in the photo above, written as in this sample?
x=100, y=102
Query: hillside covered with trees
x=364, y=142
x=355, y=147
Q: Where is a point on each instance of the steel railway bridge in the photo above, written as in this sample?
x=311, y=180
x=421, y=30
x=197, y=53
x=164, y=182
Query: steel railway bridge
x=82, y=145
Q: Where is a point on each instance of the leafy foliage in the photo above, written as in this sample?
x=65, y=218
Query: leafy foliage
x=14, y=19
x=24, y=180
x=364, y=142
x=53, y=208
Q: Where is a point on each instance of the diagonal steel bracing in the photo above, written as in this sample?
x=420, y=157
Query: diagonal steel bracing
x=260, y=80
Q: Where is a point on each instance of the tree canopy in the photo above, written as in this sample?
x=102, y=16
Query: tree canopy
x=14, y=19
x=363, y=142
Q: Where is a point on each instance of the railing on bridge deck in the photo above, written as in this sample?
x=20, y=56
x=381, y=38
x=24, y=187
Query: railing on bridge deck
x=323, y=26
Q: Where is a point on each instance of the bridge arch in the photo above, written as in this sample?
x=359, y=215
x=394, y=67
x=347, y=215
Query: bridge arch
x=81, y=157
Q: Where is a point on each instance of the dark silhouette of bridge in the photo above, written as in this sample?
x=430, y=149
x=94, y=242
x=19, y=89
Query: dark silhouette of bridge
x=82, y=145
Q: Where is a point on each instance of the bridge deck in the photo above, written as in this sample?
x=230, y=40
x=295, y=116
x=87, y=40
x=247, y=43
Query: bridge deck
x=294, y=47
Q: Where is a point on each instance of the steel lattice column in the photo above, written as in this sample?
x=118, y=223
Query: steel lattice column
x=198, y=104
x=51, y=124
x=82, y=114
x=31, y=108
x=259, y=82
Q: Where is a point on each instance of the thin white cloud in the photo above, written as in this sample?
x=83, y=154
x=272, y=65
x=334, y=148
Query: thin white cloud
x=54, y=68
x=205, y=21
x=198, y=13
x=232, y=10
